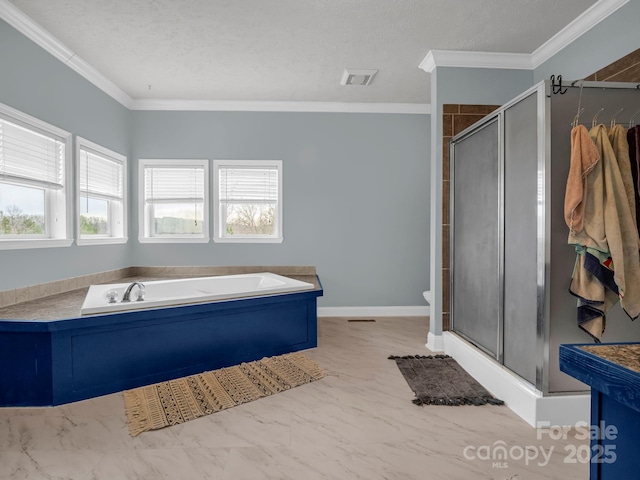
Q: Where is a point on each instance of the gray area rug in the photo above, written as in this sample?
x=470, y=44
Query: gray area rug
x=439, y=380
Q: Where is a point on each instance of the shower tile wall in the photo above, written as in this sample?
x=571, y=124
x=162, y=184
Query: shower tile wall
x=455, y=118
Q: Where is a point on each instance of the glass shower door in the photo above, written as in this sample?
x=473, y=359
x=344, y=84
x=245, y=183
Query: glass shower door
x=475, y=182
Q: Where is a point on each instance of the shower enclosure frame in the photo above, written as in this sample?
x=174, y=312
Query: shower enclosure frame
x=551, y=113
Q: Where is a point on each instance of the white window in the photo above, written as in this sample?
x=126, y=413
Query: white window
x=101, y=194
x=174, y=201
x=35, y=192
x=248, y=201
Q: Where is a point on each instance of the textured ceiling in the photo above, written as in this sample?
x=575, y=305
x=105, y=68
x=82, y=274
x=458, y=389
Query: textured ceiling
x=288, y=50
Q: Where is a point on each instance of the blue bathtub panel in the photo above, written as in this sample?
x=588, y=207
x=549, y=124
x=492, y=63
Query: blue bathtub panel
x=126, y=354
x=61, y=361
x=25, y=376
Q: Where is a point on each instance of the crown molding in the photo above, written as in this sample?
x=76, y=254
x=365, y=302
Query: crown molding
x=30, y=29
x=435, y=58
x=33, y=31
x=457, y=58
x=428, y=63
x=103, y=83
x=582, y=24
x=524, y=61
x=268, y=106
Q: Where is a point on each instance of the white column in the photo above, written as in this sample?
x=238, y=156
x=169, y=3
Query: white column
x=434, y=338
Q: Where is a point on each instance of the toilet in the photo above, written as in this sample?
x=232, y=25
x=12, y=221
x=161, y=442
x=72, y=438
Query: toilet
x=427, y=296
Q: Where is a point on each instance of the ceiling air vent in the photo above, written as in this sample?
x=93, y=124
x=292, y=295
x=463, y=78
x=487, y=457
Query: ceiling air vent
x=361, y=78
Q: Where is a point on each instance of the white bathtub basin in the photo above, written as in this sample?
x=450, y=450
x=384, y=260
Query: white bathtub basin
x=162, y=293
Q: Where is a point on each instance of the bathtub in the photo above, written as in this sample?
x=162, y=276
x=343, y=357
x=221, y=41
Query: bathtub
x=52, y=362
x=160, y=293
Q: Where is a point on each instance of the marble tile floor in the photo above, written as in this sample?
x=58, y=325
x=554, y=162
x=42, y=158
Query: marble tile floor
x=356, y=423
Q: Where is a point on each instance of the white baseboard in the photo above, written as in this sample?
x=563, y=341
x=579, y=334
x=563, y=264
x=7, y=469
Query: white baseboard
x=435, y=343
x=518, y=395
x=407, y=311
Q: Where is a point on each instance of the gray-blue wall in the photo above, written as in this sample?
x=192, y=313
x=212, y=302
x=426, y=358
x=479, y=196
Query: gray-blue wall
x=356, y=186
x=611, y=39
x=356, y=196
x=34, y=82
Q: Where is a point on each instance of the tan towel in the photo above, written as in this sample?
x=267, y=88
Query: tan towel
x=591, y=233
x=609, y=230
x=584, y=156
x=584, y=211
x=620, y=226
x=620, y=145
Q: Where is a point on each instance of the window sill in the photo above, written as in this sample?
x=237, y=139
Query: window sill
x=101, y=241
x=247, y=240
x=173, y=240
x=14, y=244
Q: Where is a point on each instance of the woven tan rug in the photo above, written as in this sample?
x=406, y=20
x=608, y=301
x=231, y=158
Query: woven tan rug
x=177, y=401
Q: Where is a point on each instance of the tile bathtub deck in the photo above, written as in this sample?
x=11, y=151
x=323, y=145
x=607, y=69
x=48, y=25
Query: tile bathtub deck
x=67, y=305
x=356, y=423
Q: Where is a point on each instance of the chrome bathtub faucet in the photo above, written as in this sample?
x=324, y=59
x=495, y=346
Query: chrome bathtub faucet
x=139, y=294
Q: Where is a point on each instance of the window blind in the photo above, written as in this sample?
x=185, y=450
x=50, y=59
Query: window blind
x=30, y=157
x=248, y=184
x=100, y=176
x=174, y=184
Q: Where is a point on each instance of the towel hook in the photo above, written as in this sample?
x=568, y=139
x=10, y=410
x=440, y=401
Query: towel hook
x=633, y=118
x=595, y=118
x=613, y=119
x=580, y=110
x=575, y=119
x=556, y=85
